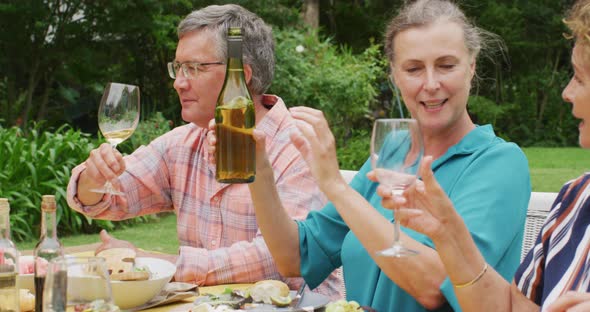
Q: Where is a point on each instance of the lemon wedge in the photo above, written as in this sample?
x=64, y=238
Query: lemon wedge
x=281, y=301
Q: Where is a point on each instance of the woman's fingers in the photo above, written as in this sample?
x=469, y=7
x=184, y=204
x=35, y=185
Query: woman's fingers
x=315, y=128
x=571, y=301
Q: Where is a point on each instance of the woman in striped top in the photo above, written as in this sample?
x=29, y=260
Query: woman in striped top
x=555, y=275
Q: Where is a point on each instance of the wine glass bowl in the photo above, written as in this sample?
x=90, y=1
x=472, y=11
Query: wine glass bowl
x=396, y=152
x=118, y=116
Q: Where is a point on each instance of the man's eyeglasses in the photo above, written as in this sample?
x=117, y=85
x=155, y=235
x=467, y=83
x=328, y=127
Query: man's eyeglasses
x=189, y=69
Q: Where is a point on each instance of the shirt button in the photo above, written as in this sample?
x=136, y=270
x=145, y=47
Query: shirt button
x=213, y=242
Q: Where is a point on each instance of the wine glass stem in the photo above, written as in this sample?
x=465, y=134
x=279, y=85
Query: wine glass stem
x=108, y=186
x=396, y=231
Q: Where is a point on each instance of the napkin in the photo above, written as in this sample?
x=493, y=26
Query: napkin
x=172, y=292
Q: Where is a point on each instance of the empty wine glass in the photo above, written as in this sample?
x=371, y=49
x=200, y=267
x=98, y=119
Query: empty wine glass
x=118, y=116
x=396, y=151
x=80, y=282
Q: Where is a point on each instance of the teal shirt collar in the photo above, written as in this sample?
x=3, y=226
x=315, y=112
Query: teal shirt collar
x=469, y=144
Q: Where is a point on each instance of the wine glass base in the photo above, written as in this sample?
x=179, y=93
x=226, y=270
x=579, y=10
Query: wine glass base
x=397, y=251
x=107, y=191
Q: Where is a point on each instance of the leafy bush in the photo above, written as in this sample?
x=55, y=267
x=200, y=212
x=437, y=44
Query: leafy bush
x=40, y=162
x=319, y=74
x=356, y=151
x=36, y=164
x=146, y=131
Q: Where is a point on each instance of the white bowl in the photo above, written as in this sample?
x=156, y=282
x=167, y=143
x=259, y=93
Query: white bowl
x=130, y=294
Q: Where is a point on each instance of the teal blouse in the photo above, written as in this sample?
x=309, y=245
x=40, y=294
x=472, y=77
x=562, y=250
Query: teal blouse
x=489, y=183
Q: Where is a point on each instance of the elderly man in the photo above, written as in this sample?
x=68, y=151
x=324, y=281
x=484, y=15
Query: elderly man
x=219, y=238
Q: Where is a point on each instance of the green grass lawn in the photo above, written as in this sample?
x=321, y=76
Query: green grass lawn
x=550, y=168
x=159, y=235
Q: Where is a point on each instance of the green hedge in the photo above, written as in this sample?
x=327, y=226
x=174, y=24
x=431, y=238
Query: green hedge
x=40, y=162
x=314, y=72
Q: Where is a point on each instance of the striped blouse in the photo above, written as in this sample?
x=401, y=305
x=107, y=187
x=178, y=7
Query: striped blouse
x=559, y=261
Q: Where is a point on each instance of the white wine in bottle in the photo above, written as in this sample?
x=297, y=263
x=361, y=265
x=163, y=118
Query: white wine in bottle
x=9, y=300
x=47, y=248
x=235, y=119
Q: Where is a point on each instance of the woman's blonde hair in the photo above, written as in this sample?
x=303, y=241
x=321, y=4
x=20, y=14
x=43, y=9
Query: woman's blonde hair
x=425, y=12
x=578, y=21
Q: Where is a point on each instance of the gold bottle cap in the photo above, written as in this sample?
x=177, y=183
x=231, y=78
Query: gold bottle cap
x=48, y=203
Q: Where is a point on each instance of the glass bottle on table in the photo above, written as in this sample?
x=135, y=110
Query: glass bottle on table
x=48, y=247
x=235, y=119
x=9, y=292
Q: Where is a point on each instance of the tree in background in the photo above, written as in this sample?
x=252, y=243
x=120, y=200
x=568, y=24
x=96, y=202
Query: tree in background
x=311, y=13
x=57, y=55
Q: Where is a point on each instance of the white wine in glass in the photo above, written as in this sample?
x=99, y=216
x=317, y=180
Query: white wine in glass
x=396, y=151
x=118, y=116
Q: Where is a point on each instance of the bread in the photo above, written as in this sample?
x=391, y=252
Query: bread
x=263, y=290
x=130, y=276
x=118, y=260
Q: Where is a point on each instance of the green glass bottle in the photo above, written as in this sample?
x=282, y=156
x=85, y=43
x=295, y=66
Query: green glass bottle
x=9, y=293
x=47, y=248
x=235, y=118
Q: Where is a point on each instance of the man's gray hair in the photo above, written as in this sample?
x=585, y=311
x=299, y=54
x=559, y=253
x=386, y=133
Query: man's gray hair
x=258, y=43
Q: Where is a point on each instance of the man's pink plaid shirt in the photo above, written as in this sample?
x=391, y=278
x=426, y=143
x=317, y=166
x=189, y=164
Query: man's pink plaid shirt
x=217, y=230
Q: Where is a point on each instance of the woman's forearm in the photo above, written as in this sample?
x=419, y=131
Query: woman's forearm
x=420, y=276
x=278, y=228
x=482, y=291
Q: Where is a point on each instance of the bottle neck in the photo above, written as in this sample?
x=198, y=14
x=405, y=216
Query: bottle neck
x=48, y=224
x=234, y=56
x=234, y=47
x=4, y=225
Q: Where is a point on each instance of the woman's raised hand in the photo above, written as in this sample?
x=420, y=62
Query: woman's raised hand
x=316, y=143
x=424, y=206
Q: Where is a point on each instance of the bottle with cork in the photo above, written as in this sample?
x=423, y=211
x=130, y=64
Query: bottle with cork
x=9, y=292
x=47, y=248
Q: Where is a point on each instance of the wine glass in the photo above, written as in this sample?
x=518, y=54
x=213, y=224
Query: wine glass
x=396, y=151
x=81, y=282
x=118, y=116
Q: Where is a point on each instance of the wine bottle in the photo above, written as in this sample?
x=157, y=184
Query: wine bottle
x=9, y=293
x=235, y=119
x=47, y=248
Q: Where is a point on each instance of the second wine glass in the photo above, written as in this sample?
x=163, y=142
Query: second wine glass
x=118, y=116
x=396, y=151
x=79, y=282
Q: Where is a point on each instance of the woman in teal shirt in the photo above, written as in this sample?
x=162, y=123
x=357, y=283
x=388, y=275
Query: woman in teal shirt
x=432, y=49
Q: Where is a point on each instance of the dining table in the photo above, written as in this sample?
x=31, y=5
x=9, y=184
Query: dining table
x=182, y=305
x=87, y=250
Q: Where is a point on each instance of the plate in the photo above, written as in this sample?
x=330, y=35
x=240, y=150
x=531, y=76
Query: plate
x=311, y=302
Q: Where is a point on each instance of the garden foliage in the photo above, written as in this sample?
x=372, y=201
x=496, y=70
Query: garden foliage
x=40, y=163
